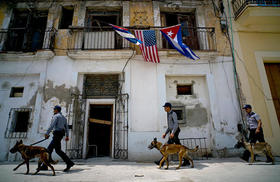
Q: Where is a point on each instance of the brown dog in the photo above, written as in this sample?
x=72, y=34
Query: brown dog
x=30, y=152
x=256, y=148
x=168, y=149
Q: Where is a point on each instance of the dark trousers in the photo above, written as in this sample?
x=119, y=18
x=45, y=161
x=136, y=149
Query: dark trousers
x=254, y=137
x=56, y=144
x=175, y=139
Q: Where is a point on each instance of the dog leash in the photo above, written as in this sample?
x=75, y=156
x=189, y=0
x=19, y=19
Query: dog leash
x=38, y=142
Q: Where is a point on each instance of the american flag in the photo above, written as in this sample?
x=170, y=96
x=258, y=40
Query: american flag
x=149, y=45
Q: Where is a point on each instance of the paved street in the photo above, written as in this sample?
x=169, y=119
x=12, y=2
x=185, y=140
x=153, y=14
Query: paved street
x=106, y=169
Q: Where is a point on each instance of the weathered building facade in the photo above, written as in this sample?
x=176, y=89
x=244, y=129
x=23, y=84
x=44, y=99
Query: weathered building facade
x=64, y=52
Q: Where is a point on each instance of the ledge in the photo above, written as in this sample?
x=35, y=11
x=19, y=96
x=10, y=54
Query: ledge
x=15, y=56
x=99, y=54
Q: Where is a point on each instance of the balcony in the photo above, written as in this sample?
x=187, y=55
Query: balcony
x=255, y=9
x=105, y=38
x=26, y=40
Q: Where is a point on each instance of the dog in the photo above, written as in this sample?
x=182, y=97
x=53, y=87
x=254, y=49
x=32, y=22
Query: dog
x=168, y=149
x=256, y=148
x=30, y=152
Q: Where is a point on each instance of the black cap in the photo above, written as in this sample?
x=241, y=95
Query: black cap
x=167, y=104
x=57, y=107
x=247, y=106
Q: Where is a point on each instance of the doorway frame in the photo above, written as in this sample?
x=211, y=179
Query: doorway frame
x=263, y=57
x=86, y=130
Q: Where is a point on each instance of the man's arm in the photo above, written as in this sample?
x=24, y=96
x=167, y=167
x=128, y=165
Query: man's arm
x=66, y=131
x=257, y=117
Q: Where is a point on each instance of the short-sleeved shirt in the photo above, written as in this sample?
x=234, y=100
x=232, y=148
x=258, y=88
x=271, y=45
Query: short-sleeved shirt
x=252, y=120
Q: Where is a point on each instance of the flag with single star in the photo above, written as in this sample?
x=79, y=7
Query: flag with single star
x=174, y=36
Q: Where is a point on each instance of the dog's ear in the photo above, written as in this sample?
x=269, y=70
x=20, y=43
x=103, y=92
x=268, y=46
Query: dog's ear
x=155, y=139
x=20, y=142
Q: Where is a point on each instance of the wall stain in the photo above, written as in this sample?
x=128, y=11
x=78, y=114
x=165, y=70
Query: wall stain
x=197, y=116
x=62, y=93
x=5, y=85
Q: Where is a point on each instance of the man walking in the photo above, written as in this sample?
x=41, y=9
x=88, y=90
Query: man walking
x=60, y=128
x=255, y=127
x=173, y=129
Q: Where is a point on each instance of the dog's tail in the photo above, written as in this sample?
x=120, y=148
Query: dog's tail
x=194, y=150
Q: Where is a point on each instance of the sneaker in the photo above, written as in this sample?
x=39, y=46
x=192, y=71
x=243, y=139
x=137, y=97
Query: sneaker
x=68, y=167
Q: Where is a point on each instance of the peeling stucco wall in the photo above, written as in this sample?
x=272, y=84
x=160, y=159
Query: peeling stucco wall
x=60, y=92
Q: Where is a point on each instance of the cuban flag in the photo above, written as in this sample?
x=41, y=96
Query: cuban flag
x=126, y=34
x=174, y=36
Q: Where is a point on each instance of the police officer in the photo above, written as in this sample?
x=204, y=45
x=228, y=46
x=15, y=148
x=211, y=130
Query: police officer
x=60, y=128
x=255, y=127
x=173, y=129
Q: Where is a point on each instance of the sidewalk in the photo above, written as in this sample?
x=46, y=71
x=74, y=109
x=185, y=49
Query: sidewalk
x=110, y=170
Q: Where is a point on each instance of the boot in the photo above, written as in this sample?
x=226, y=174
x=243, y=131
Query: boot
x=186, y=162
x=246, y=156
x=68, y=167
x=158, y=162
x=43, y=167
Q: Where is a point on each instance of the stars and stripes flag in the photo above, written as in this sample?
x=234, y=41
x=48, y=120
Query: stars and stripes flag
x=126, y=34
x=174, y=36
x=149, y=45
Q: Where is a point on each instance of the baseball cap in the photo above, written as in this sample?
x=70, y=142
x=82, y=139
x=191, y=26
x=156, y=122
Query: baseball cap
x=167, y=104
x=247, y=106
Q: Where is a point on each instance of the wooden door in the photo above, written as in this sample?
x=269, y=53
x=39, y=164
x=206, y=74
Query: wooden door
x=273, y=75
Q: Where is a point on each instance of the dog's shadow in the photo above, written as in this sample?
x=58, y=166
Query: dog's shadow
x=198, y=166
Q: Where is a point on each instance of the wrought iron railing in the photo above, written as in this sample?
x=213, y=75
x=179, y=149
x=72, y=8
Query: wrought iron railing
x=16, y=127
x=239, y=5
x=94, y=38
x=26, y=40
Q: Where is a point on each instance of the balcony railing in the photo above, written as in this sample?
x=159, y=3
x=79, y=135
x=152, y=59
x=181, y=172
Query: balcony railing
x=94, y=38
x=26, y=40
x=239, y=5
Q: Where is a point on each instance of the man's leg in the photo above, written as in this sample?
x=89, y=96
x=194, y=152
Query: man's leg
x=50, y=150
x=64, y=157
x=177, y=141
x=260, y=138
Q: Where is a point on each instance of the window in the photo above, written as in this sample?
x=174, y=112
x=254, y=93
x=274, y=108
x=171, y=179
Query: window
x=66, y=18
x=16, y=92
x=184, y=89
x=189, y=30
x=18, y=123
x=180, y=111
x=26, y=30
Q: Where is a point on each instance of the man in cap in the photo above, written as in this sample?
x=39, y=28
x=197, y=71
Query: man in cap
x=60, y=128
x=255, y=127
x=173, y=129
